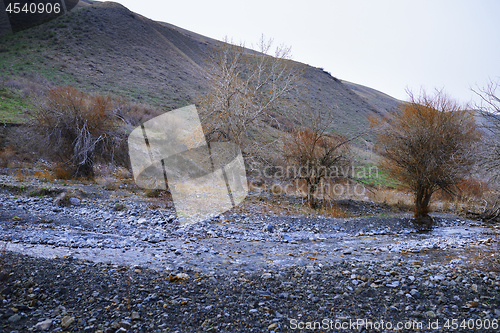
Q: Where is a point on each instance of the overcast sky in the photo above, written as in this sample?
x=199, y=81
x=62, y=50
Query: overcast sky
x=388, y=45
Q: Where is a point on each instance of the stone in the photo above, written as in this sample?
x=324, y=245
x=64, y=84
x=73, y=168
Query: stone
x=66, y=321
x=135, y=316
x=269, y=228
x=75, y=201
x=60, y=200
x=14, y=318
x=182, y=276
x=472, y=304
x=267, y=276
x=430, y=315
x=43, y=325
x=414, y=293
x=272, y=326
x=393, y=284
x=443, y=300
x=125, y=324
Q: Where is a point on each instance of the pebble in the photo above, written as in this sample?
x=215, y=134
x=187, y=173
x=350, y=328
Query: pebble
x=14, y=318
x=66, y=321
x=43, y=325
x=75, y=201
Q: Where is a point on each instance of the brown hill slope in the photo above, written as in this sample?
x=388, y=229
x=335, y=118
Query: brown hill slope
x=107, y=48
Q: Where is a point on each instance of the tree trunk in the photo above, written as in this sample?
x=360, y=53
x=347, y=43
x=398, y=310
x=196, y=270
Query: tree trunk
x=85, y=170
x=422, y=199
x=311, y=190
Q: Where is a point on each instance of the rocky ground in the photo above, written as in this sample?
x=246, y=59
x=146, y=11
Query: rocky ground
x=114, y=261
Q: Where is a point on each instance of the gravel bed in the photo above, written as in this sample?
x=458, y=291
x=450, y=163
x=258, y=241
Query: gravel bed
x=81, y=296
x=243, y=271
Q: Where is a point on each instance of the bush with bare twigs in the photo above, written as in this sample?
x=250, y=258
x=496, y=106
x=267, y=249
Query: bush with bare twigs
x=313, y=153
x=76, y=128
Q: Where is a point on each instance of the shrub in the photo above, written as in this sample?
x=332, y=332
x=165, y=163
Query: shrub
x=77, y=128
x=6, y=155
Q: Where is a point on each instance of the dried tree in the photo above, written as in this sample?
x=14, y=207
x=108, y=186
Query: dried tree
x=313, y=152
x=428, y=144
x=75, y=128
x=489, y=109
x=243, y=85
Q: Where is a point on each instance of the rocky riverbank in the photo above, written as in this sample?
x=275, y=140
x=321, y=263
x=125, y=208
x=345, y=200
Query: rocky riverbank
x=115, y=261
x=80, y=296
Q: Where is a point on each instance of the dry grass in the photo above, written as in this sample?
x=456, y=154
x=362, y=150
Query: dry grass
x=44, y=175
x=487, y=258
x=21, y=174
x=62, y=171
x=330, y=209
x=112, y=177
x=399, y=199
x=6, y=155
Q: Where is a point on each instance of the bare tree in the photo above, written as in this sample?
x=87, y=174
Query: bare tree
x=313, y=153
x=75, y=128
x=428, y=144
x=489, y=110
x=243, y=85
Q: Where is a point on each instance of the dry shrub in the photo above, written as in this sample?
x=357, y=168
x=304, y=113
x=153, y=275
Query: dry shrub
x=109, y=183
x=21, y=174
x=313, y=153
x=122, y=173
x=78, y=128
x=6, y=156
x=332, y=210
x=154, y=193
x=466, y=189
x=62, y=171
x=135, y=114
x=44, y=175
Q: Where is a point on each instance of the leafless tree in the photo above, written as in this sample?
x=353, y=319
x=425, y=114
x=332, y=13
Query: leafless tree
x=428, y=144
x=489, y=110
x=243, y=85
x=314, y=153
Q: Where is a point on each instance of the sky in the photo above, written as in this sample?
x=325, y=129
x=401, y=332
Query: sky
x=388, y=45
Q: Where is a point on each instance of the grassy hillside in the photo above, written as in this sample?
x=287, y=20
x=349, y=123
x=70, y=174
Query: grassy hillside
x=106, y=48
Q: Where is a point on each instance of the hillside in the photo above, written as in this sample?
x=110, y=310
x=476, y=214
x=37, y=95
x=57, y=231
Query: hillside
x=104, y=47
